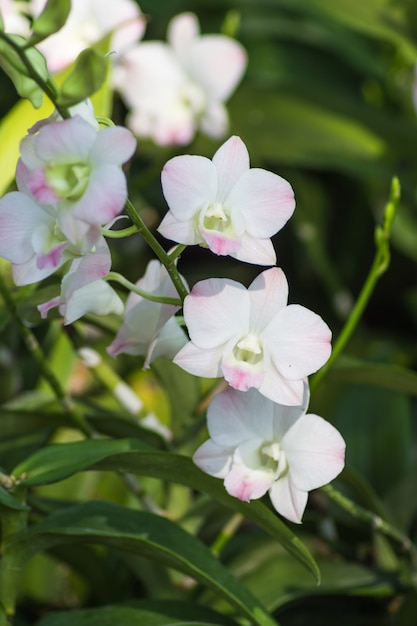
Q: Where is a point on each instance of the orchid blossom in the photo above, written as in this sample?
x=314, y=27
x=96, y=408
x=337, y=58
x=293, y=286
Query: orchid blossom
x=149, y=328
x=257, y=446
x=70, y=163
x=224, y=204
x=174, y=88
x=252, y=337
x=83, y=289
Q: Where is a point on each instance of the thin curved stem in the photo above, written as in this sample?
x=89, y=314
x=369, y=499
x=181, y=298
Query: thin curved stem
x=163, y=256
x=379, y=266
x=145, y=294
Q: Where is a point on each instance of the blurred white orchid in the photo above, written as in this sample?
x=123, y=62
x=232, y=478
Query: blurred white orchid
x=174, y=88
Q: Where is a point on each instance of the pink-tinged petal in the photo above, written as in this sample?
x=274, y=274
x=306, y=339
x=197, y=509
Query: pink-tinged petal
x=289, y=501
x=179, y=231
x=215, y=311
x=268, y=295
x=113, y=146
x=73, y=136
x=212, y=459
x=241, y=375
x=53, y=258
x=47, y=306
x=256, y=251
x=219, y=243
x=315, y=452
x=265, y=200
x=205, y=363
x=19, y=217
x=29, y=273
x=182, y=30
x=279, y=389
x=105, y=196
x=234, y=417
x=231, y=161
x=34, y=181
x=217, y=63
x=189, y=183
x=247, y=478
x=298, y=341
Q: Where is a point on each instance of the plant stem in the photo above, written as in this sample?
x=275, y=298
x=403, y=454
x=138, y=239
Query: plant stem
x=119, y=234
x=375, y=521
x=163, y=256
x=226, y=533
x=13, y=523
x=48, y=87
x=379, y=266
x=145, y=294
x=46, y=371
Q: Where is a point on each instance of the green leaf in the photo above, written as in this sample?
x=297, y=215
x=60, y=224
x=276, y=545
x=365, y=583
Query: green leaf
x=56, y=462
x=385, y=375
x=148, y=613
x=17, y=70
x=6, y=499
x=86, y=78
x=151, y=536
x=181, y=469
x=52, y=18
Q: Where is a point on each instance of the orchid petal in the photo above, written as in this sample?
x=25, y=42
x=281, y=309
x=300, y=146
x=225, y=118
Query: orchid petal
x=234, y=417
x=212, y=459
x=113, y=146
x=265, y=200
x=218, y=63
x=256, y=251
x=231, y=161
x=215, y=311
x=268, y=295
x=188, y=184
x=205, y=363
x=288, y=500
x=247, y=478
x=105, y=196
x=179, y=231
x=315, y=451
x=298, y=341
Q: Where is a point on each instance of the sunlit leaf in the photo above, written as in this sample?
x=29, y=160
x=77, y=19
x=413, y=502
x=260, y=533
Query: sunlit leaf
x=52, y=18
x=87, y=76
x=16, y=69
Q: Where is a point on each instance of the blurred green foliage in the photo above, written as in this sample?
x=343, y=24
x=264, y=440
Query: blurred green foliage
x=327, y=103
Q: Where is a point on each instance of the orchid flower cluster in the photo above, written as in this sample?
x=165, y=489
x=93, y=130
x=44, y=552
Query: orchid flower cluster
x=71, y=188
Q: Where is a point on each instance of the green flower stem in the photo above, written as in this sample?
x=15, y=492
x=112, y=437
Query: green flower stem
x=119, y=234
x=374, y=521
x=379, y=266
x=48, y=374
x=163, y=256
x=13, y=523
x=48, y=87
x=177, y=251
x=115, y=276
x=226, y=533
